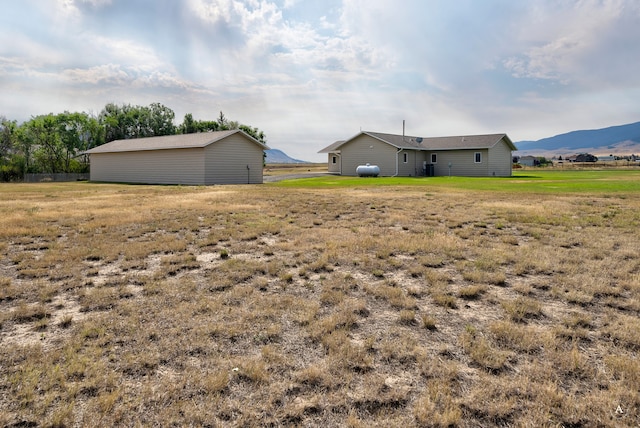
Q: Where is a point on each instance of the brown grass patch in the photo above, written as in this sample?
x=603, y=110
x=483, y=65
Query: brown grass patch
x=273, y=306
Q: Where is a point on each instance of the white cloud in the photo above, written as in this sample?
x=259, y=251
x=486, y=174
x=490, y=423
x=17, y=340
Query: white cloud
x=288, y=4
x=569, y=44
x=213, y=11
x=270, y=51
x=115, y=75
x=110, y=74
x=122, y=51
x=310, y=72
x=326, y=24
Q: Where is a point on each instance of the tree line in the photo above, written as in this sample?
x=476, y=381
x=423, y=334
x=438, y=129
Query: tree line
x=54, y=143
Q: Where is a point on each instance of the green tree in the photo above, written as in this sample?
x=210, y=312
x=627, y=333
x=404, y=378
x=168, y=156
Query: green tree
x=54, y=143
x=7, y=131
x=127, y=121
x=225, y=124
x=48, y=149
x=11, y=167
x=161, y=120
x=189, y=126
x=543, y=161
x=208, y=125
x=222, y=121
x=192, y=126
x=255, y=133
x=24, y=147
x=114, y=120
x=78, y=132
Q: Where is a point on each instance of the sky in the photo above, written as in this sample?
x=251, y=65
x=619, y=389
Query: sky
x=311, y=72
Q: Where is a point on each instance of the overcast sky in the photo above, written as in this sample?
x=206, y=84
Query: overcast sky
x=310, y=72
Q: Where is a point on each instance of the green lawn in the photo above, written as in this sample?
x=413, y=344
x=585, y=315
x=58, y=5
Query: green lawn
x=545, y=181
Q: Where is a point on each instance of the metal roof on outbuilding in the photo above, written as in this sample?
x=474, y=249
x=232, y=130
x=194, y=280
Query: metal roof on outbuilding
x=179, y=141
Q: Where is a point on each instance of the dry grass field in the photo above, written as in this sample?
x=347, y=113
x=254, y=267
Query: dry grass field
x=293, y=168
x=353, y=306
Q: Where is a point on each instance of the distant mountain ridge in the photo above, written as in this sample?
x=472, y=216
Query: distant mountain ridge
x=622, y=139
x=278, y=156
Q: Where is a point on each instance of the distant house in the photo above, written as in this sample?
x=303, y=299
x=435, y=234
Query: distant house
x=222, y=157
x=528, y=160
x=397, y=155
x=608, y=158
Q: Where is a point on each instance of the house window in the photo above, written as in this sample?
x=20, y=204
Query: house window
x=434, y=158
x=334, y=159
x=405, y=157
x=478, y=157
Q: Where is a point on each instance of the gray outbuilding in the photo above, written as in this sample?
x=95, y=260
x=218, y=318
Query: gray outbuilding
x=221, y=157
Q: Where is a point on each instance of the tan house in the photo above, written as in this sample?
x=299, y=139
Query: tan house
x=527, y=160
x=221, y=157
x=398, y=155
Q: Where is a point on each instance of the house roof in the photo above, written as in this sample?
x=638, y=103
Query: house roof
x=332, y=147
x=462, y=142
x=180, y=141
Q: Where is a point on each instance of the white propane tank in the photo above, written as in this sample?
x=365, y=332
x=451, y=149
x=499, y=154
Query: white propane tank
x=368, y=170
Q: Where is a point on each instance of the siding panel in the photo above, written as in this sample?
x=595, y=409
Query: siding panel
x=462, y=163
x=413, y=166
x=365, y=149
x=334, y=167
x=180, y=166
x=500, y=160
x=227, y=161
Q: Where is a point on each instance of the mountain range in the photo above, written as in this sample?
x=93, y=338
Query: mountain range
x=278, y=156
x=617, y=140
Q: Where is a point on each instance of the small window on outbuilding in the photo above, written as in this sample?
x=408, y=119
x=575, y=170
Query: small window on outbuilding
x=434, y=158
x=478, y=157
x=334, y=159
x=405, y=157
